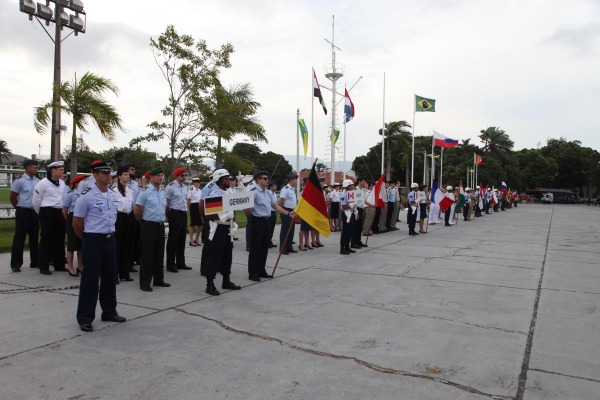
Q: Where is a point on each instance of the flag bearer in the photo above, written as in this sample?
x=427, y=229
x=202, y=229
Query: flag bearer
x=360, y=197
x=348, y=206
x=288, y=200
x=413, y=204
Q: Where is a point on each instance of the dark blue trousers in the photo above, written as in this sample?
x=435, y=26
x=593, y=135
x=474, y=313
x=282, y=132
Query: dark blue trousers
x=346, y=230
x=99, y=260
x=27, y=223
x=219, y=253
x=285, y=225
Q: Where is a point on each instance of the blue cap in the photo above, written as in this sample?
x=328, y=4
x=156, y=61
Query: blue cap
x=272, y=182
x=292, y=176
x=321, y=179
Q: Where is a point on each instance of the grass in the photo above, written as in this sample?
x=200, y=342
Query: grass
x=4, y=195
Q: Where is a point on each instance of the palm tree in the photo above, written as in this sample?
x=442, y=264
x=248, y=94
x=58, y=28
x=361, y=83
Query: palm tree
x=233, y=112
x=84, y=101
x=397, y=135
x=496, y=142
x=5, y=152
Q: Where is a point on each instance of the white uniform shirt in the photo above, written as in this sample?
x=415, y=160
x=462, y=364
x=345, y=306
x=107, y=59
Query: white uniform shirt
x=335, y=196
x=47, y=194
x=86, y=183
x=125, y=202
x=194, y=195
x=422, y=197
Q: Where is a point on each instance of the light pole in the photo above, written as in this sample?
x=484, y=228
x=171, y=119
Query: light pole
x=67, y=13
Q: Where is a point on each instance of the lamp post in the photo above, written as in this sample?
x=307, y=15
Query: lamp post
x=67, y=13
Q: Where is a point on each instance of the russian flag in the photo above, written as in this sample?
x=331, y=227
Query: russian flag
x=443, y=141
x=504, y=188
x=348, y=106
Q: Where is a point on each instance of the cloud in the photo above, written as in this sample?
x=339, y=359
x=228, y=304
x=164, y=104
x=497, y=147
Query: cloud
x=583, y=40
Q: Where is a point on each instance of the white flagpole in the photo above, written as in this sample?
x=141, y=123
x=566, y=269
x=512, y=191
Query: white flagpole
x=432, y=160
x=441, y=166
x=383, y=131
x=312, y=120
x=424, y=167
x=298, y=153
x=344, y=164
x=412, y=168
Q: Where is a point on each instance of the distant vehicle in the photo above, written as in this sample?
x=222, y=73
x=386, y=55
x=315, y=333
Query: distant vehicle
x=547, y=198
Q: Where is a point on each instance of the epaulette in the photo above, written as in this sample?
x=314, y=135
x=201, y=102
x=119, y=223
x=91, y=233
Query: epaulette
x=253, y=189
x=287, y=186
x=85, y=191
x=112, y=189
x=142, y=189
x=171, y=183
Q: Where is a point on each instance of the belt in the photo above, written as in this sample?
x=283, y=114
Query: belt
x=25, y=208
x=254, y=216
x=228, y=222
x=99, y=235
x=153, y=222
x=181, y=211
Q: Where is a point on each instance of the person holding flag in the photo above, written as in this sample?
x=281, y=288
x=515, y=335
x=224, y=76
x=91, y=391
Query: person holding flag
x=413, y=204
x=422, y=207
x=348, y=206
x=450, y=209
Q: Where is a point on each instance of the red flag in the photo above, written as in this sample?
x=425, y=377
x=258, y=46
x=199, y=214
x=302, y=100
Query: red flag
x=478, y=160
x=379, y=189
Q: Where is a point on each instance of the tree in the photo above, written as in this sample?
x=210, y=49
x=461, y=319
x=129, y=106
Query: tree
x=85, y=155
x=399, y=138
x=85, y=103
x=571, y=160
x=5, y=152
x=277, y=166
x=496, y=143
x=233, y=112
x=191, y=71
x=536, y=171
x=248, y=151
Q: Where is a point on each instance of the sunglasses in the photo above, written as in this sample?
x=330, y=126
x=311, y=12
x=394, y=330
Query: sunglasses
x=184, y=175
x=264, y=178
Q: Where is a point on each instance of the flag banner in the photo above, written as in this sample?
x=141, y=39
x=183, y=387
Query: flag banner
x=304, y=135
x=336, y=136
x=504, y=188
x=379, y=189
x=494, y=197
x=443, y=141
x=311, y=206
x=228, y=202
x=317, y=91
x=424, y=104
x=462, y=198
x=481, y=193
x=515, y=194
x=348, y=107
x=439, y=198
x=478, y=160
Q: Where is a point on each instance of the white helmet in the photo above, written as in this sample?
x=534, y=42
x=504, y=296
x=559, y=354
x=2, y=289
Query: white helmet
x=219, y=173
x=467, y=189
x=414, y=185
x=448, y=187
x=476, y=187
x=346, y=183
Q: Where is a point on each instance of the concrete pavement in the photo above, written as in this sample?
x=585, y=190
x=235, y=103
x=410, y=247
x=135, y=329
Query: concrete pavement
x=504, y=307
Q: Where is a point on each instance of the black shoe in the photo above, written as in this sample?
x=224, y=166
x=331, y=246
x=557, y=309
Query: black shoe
x=230, y=285
x=413, y=233
x=146, y=289
x=349, y=250
x=254, y=278
x=345, y=252
x=86, y=327
x=185, y=267
x=361, y=244
x=211, y=289
x=60, y=269
x=356, y=246
x=114, y=318
x=45, y=272
x=15, y=269
x=172, y=269
x=447, y=225
x=127, y=279
x=266, y=276
x=133, y=269
x=286, y=253
x=162, y=284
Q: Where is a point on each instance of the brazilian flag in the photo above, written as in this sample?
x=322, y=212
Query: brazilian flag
x=424, y=104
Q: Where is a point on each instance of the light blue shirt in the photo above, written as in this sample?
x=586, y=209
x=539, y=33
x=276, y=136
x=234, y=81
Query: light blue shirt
x=135, y=187
x=68, y=200
x=263, y=202
x=86, y=183
x=205, y=191
x=153, y=203
x=177, y=194
x=24, y=187
x=412, y=198
x=288, y=194
x=251, y=186
x=391, y=197
x=98, y=209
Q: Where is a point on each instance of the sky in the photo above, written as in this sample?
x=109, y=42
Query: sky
x=529, y=67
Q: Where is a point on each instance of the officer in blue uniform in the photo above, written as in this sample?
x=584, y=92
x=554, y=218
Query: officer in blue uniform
x=288, y=200
x=176, y=194
x=150, y=212
x=220, y=241
x=27, y=222
x=272, y=186
x=261, y=213
x=94, y=220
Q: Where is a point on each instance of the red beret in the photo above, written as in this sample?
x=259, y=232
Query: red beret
x=147, y=175
x=76, y=179
x=179, y=171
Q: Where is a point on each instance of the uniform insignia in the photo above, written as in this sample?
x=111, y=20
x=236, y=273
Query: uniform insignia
x=171, y=184
x=85, y=191
x=253, y=189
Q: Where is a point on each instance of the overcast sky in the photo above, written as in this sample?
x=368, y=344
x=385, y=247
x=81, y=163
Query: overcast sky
x=530, y=67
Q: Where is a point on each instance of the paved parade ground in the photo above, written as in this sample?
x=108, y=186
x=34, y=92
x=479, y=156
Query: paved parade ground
x=503, y=307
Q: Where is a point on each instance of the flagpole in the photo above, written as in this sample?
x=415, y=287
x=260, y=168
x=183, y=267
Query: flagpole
x=412, y=168
x=424, y=167
x=344, y=163
x=297, y=153
x=312, y=121
x=383, y=130
x=432, y=161
x=441, y=166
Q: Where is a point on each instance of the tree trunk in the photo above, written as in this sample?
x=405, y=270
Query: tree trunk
x=218, y=155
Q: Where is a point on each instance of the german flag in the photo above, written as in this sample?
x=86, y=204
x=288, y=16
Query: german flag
x=213, y=205
x=311, y=207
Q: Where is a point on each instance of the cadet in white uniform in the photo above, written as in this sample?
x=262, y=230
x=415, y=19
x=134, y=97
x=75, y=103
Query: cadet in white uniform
x=193, y=202
x=288, y=201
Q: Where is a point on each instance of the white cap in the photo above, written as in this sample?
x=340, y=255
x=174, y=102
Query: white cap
x=414, y=185
x=448, y=187
x=467, y=189
x=336, y=184
x=489, y=190
x=56, y=164
x=347, y=182
x=219, y=173
x=476, y=187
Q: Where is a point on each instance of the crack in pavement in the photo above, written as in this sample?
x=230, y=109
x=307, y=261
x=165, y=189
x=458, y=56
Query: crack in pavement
x=565, y=375
x=363, y=363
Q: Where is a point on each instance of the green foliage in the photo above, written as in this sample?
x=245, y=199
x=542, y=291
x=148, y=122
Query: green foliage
x=5, y=152
x=536, y=171
x=496, y=143
x=277, y=166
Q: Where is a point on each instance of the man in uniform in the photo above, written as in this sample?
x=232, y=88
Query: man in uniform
x=422, y=200
x=360, y=197
x=288, y=201
x=413, y=205
x=249, y=188
x=449, y=210
x=176, y=195
x=272, y=186
x=47, y=202
x=88, y=182
x=477, y=207
x=467, y=203
x=94, y=222
x=220, y=241
x=397, y=204
x=26, y=219
x=390, y=205
x=193, y=203
x=150, y=212
x=136, y=242
x=261, y=213
x=348, y=207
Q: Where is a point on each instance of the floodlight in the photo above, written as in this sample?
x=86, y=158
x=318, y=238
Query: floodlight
x=63, y=2
x=64, y=18
x=77, y=5
x=28, y=6
x=44, y=11
x=76, y=23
